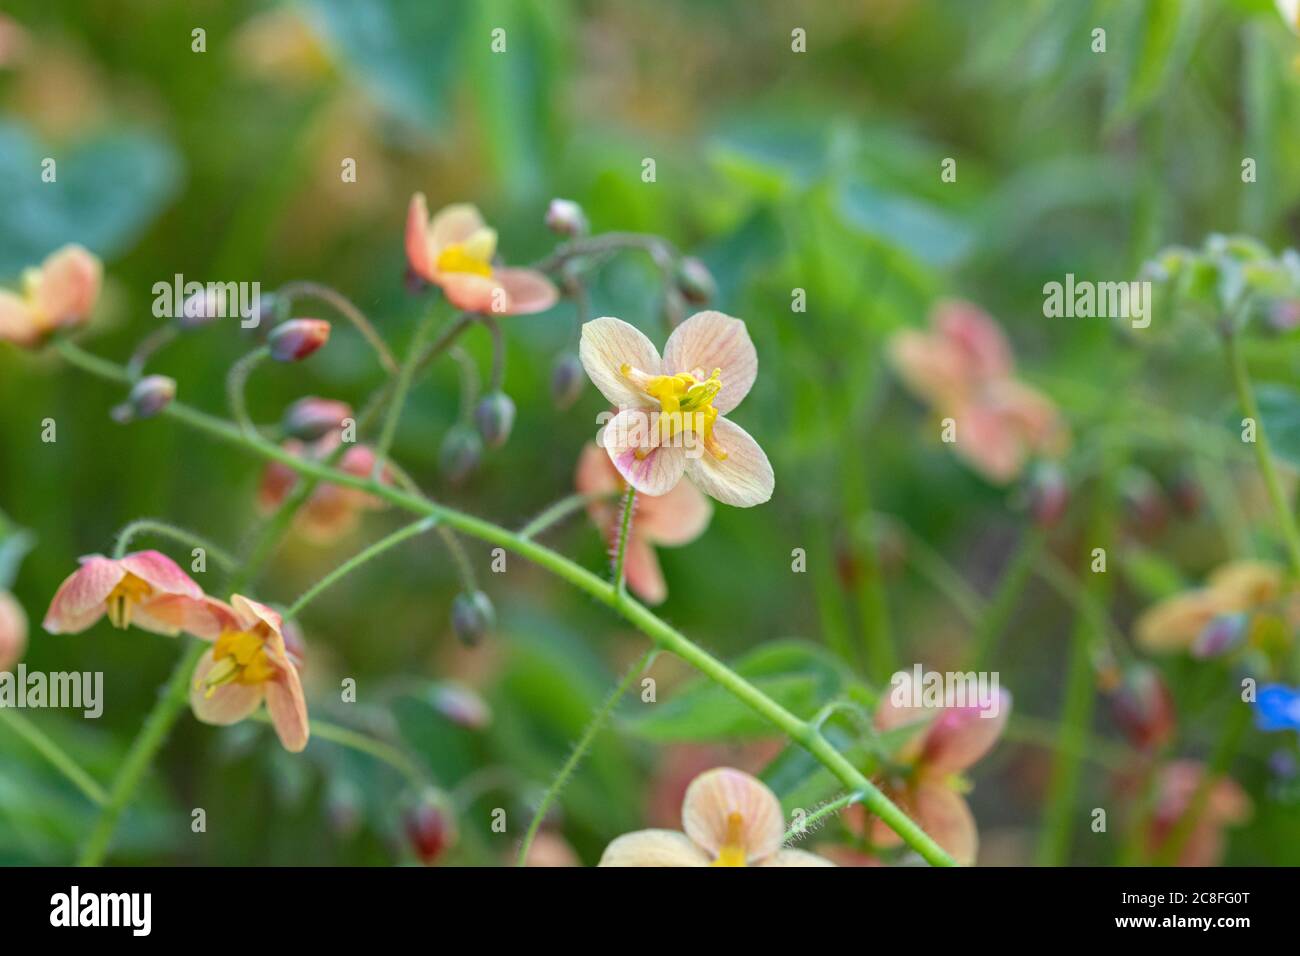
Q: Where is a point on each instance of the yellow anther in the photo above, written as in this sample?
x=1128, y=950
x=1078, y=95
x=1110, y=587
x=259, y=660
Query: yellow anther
x=732, y=851
x=458, y=258
x=129, y=592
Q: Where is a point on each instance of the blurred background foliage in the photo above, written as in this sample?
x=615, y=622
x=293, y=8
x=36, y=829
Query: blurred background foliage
x=816, y=171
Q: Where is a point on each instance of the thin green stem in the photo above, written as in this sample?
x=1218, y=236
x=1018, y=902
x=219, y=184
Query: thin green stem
x=800, y=829
x=354, y=740
x=152, y=343
x=633, y=611
x=579, y=751
x=941, y=575
x=144, y=748
x=1263, y=452
x=404, y=378
x=345, y=307
x=498, y=374
x=236, y=383
x=354, y=562
x=557, y=512
x=997, y=614
x=620, y=546
x=56, y=755
x=164, y=530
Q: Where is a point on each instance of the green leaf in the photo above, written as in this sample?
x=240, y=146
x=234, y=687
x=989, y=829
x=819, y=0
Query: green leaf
x=915, y=226
x=1279, y=412
x=107, y=190
x=800, y=677
x=403, y=51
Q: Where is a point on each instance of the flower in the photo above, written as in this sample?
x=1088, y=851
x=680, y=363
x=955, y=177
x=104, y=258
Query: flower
x=59, y=294
x=551, y=850
x=1181, y=621
x=671, y=520
x=247, y=664
x=454, y=250
x=1277, y=707
x=929, y=785
x=670, y=420
x=13, y=631
x=144, y=588
x=964, y=369
x=332, y=510
x=730, y=819
x=1226, y=805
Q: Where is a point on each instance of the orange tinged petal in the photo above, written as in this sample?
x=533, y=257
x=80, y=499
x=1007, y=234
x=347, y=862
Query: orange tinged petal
x=729, y=808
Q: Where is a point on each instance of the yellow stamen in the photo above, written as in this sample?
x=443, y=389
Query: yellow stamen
x=685, y=406
x=460, y=258
x=129, y=592
x=732, y=851
x=239, y=657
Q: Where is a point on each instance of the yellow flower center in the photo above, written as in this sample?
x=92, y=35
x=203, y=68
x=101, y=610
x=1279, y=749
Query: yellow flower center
x=129, y=592
x=240, y=658
x=474, y=255
x=685, y=405
x=732, y=851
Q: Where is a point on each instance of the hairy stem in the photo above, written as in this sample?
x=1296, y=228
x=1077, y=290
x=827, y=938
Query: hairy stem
x=620, y=546
x=575, y=757
x=345, y=307
x=998, y=611
x=236, y=382
x=164, y=530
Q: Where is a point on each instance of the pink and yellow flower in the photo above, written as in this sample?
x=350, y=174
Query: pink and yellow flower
x=964, y=369
x=730, y=819
x=926, y=780
x=249, y=663
x=455, y=251
x=671, y=520
x=13, y=631
x=670, y=421
x=144, y=588
x=58, y=294
x=1239, y=587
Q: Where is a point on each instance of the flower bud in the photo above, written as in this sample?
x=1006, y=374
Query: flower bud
x=147, y=398
x=461, y=705
x=203, y=307
x=495, y=416
x=1048, y=494
x=296, y=339
x=1145, y=505
x=1144, y=708
x=695, y=281
x=567, y=377
x=311, y=418
x=344, y=807
x=1222, y=635
x=564, y=217
x=13, y=631
x=429, y=826
x=472, y=616
x=1187, y=494
x=460, y=453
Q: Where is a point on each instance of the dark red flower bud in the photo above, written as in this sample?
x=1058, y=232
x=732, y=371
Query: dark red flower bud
x=430, y=826
x=1222, y=635
x=296, y=339
x=1144, y=708
x=1048, y=494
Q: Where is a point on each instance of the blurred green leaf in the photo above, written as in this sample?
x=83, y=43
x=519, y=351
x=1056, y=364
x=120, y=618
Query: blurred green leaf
x=107, y=191
x=801, y=677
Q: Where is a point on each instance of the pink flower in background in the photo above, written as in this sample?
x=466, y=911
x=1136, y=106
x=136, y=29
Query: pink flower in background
x=249, y=663
x=332, y=510
x=671, y=520
x=963, y=369
x=930, y=791
x=145, y=588
x=730, y=819
x=61, y=293
x=455, y=250
x=1227, y=804
x=670, y=421
x=13, y=631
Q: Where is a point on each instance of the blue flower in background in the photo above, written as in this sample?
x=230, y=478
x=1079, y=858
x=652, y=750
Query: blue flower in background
x=1278, y=708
